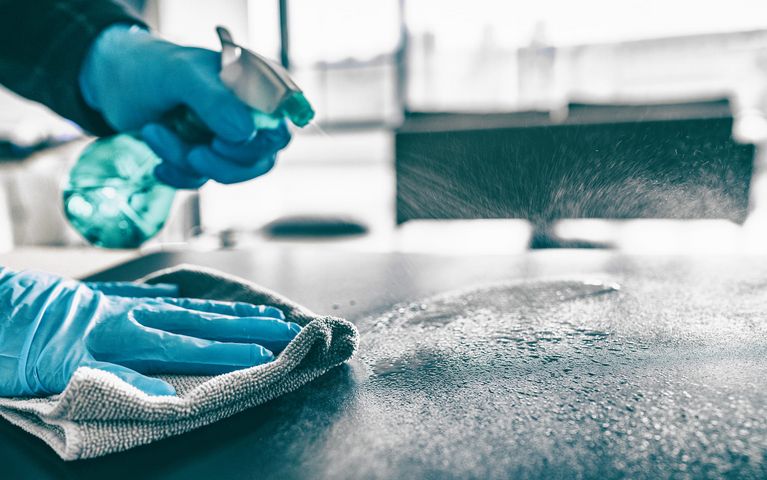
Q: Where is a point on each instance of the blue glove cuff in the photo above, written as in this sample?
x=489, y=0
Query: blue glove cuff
x=96, y=77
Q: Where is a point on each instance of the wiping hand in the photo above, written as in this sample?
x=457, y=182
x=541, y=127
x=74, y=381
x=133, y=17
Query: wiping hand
x=50, y=326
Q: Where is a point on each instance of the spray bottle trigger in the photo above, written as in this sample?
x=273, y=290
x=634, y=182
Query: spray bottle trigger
x=182, y=121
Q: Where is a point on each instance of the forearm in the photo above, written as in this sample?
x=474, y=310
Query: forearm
x=43, y=44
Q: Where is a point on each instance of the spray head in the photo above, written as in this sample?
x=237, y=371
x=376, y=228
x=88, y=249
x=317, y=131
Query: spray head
x=261, y=83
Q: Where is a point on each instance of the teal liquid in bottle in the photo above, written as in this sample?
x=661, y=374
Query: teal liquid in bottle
x=112, y=196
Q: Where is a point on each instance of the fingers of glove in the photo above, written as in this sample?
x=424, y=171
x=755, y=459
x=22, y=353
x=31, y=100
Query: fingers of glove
x=201, y=89
x=130, y=289
x=266, y=142
x=178, y=178
x=165, y=143
x=270, y=333
x=235, y=309
x=174, y=169
x=164, y=352
x=226, y=171
x=148, y=385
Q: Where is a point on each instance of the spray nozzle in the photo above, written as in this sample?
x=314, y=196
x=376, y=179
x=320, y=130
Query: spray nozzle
x=262, y=84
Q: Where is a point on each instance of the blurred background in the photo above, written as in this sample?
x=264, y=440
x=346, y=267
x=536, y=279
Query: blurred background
x=454, y=126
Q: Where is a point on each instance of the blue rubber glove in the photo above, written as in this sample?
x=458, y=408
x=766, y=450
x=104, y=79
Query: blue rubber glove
x=132, y=289
x=133, y=78
x=50, y=326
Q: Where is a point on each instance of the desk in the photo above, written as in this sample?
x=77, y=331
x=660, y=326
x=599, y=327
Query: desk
x=692, y=402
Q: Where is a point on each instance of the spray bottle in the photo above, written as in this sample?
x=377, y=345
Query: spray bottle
x=112, y=196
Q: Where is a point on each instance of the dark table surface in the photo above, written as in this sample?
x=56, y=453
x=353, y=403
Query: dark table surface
x=545, y=377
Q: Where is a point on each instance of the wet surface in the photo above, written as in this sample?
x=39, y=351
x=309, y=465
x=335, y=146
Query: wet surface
x=563, y=365
x=556, y=379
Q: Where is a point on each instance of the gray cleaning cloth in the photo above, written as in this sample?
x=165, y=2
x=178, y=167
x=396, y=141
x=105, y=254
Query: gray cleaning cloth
x=99, y=414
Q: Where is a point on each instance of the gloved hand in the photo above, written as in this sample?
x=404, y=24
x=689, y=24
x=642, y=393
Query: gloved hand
x=131, y=289
x=50, y=326
x=133, y=78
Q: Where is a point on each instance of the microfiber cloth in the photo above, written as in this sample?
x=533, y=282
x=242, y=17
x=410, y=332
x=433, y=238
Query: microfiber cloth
x=99, y=414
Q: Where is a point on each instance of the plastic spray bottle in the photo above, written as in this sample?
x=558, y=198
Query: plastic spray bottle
x=112, y=196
